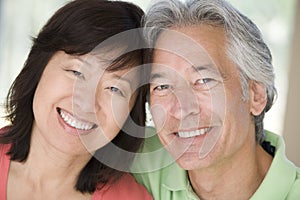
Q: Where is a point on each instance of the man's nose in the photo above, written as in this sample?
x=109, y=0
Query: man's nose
x=184, y=103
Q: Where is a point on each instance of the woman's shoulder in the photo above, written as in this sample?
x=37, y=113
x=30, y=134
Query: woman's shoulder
x=4, y=129
x=126, y=188
x=4, y=147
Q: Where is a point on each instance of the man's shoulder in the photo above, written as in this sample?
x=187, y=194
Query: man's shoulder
x=294, y=192
x=157, y=170
x=283, y=177
x=271, y=137
x=152, y=142
x=152, y=156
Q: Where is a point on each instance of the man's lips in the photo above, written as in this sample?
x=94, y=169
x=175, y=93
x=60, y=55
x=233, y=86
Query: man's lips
x=74, y=122
x=188, y=134
x=192, y=133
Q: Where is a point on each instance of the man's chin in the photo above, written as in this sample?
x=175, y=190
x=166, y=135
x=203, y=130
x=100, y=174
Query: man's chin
x=188, y=163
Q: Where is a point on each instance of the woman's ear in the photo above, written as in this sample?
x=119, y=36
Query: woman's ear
x=258, y=98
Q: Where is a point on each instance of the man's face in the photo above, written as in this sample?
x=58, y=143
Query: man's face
x=196, y=97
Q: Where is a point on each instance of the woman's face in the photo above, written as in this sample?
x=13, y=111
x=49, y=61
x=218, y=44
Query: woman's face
x=78, y=105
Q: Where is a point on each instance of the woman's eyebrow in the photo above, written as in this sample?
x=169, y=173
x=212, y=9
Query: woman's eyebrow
x=131, y=83
x=115, y=76
x=83, y=61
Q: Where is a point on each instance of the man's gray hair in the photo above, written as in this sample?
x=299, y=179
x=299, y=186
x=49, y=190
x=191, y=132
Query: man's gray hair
x=245, y=45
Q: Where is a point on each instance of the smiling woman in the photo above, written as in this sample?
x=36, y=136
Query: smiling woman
x=77, y=94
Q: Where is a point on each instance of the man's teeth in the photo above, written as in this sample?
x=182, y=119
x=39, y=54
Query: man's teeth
x=70, y=120
x=187, y=134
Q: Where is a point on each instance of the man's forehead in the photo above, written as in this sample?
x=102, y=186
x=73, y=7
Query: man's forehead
x=189, y=59
x=193, y=46
x=178, y=43
x=168, y=64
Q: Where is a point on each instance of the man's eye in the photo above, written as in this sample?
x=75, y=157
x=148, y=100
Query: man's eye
x=205, y=83
x=162, y=90
x=162, y=87
x=205, y=80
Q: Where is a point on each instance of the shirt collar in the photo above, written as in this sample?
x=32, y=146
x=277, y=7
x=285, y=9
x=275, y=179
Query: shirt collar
x=281, y=175
x=176, y=178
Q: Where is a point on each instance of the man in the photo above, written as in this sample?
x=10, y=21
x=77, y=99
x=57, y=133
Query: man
x=211, y=83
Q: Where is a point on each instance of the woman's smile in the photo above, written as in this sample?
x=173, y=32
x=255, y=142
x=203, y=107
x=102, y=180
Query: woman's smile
x=69, y=121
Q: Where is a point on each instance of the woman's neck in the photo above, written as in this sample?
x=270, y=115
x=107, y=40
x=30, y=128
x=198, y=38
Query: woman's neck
x=47, y=169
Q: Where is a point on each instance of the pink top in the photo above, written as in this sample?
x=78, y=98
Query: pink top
x=4, y=166
x=126, y=188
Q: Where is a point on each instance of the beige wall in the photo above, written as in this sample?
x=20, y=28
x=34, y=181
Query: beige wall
x=291, y=131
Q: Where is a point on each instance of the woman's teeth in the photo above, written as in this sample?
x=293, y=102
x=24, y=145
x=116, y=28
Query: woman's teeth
x=75, y=123
x=187, y=134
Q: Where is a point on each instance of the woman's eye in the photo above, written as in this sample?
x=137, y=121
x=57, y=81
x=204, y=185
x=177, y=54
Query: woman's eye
x=116, y=90
x=76, y=73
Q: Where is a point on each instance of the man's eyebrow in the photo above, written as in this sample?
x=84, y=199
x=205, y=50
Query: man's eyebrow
x=201, y=67
x=155, y=76
x=208, y=67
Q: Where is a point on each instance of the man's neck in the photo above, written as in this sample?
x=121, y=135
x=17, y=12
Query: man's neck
x=236, y=178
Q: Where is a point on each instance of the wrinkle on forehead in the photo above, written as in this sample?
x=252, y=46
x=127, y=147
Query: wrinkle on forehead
x=199, y=44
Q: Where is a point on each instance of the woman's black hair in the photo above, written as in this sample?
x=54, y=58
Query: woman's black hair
x=77, y=28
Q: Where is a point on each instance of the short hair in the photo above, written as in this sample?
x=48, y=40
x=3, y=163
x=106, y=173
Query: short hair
x=245, y=45
x=77, y=28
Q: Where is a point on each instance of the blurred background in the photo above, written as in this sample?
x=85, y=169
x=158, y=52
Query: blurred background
x=279, y=21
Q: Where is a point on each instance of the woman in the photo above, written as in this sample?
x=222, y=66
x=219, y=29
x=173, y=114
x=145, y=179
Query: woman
x=72, y=103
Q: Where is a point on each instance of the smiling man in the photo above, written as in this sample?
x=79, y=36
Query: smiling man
x=211, y=83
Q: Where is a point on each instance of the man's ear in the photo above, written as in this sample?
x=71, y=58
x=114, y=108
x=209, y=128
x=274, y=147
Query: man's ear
x=258, y=98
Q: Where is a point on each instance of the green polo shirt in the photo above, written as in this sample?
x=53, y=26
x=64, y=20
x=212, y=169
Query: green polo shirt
x=165, y=180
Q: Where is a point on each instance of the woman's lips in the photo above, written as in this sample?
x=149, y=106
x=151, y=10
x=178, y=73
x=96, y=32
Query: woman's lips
x=75, y=123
